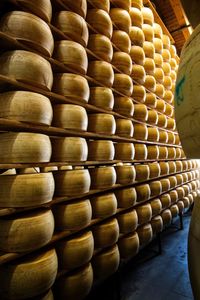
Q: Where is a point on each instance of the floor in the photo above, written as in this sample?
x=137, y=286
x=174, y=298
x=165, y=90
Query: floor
x=152, y=276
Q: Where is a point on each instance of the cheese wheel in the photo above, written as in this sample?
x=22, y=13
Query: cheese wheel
x=144, y=213
x=171, y=153
x=140, y=132
x=122, y=61
x=140, y=152
x=129, y=245
x=139, y=93
x=166, y=41
x=26, y=107
x=145, y=234
x=106, y=234
x=124, y=151
x=143, y=192
x=149, y=49
x=137, y=55
x=121, y=40
x=179, y=166
x=45, y=265
x=153, y=152
x=125, y=4
x=163, y=152
x=140, y=112
x=172, y=51
x=173, y=181
x=187, y=188
x=148, y=16
x=101, y=123
x=100, y=21
x=138, y=74
x=70, y=117
x=75, y=285
x=72, y=182
x=71, y=85
x=163, y=136
x=171, y=138
x=80, y=6
x=69, y=149
x=164, y=168
x=106, y=263
x=186, y=201
x=101, y=97
x=150, y=83
x=123, y=84
x=166, y=68
x=174, y=210
x=166, y=217
x=148, y=32
x=160, y=90
x=178, y=154
x=121, y=19
x=167, y=82
x=27, y=67
x=160, y=106
x=152, y=117
x=125, y=174
x=126, y=197
x=101, y=46
x=190, y=198
x=24, y=148
x=173, y=76
x=158, y=60
x=185, y=177
x=124, y=127
x=156, y=188
x=15, y=231
x=72, y=216
x=151, y=100
x=162, y=119
x=157, y=224
x=75, y=252
x=169, y=110
x=157, y=30
x=73, y=26
x=153, y=134
x=179, y=179
x=154, y=169
x=166, y=55
x=124, y=106
x=102, y=177
x=165, y=184
x=136, y=36
x=104, y=206
x=156, y=206
x=172, y=167
x=136, y=17
x=173, y=64
x=142, y=172
x=177, y=140
x=158, y=46
x=180, y=205
x=165, y=200
x=28, y=29
x=102, y=72
x=137, y=3
x=159, y=75
x=149, y=66
x=105, y=4
x=101, y=150
x=128, y=221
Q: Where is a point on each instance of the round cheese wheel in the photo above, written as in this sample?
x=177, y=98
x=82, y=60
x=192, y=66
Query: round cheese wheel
x=102, y=177
x=166, y=55
x=151, y=100
x=124, y=151
x=167, y=82
x=160, y=106
x=71, y=85
x=149, y=66
x=169, y=110
x=144, y=213
x=179, y=179
x=28, y=29
x=166, y=42
x=26, y=107
x=158, y=59
x=137, y=55
x=101, y=150
x=45, y=265
x=186, y=202
x=124, y=106
x=106, y=263
x=153, y=152
x=159, y=75
x=70, y=116
x=180, y=205
x=164, y=168
x=121, y=19
x=166, y=217
x=125, y=4
x=157, y=30
x=139, y=93
x=72, y=182
x=157, y=224
x=145, y=234
x=172, y=167
x=105, y=4
x=121, y=40
x=140, y=132
x=123, y=84
x=138, y=74
x=162, y=119
x=124, y=127
x=128, y=221
x=140, y=152
x=177, y=140
x=165, y=184
x=166, y=68
x=165, y=200
x=173, y=64
x=171, y=138
x=158, y=44
x=173, y=181
x=136, y=36
x=163, y=136
x=185, y=177
x=122, y=61
x=140, y=112
x=173, y=76
x=153, y=134
x=154, y=169
x=75, y=285
x=27, y=67
x=80, y=6
x=69, y=149
x=156, y=206
x=172, y=51
x=106, y=234
x=125, y=174
x=100, y=21
x=143, y=192
x=148, y=16
x=104, y=206
x=152, y=117
x=142, y=172
x=72, y=216
x=137, y=3
x=148, y=32
x=101, y=46
x=73, y=26
x=101, y=97
x=75, y=252
x=160, y=90
x=150, y=83
x=149, y=49
x=129, y=245
x=126, y=197
x=174, y=210
x=171, y=153
x=163, y=152
x=187, y=188
x=102, y=72
x=191, y=199
x=136, y=17
x=101, y=123
x=156, y=188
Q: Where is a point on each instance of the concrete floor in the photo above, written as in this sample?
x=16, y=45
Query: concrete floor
x=151, y=276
